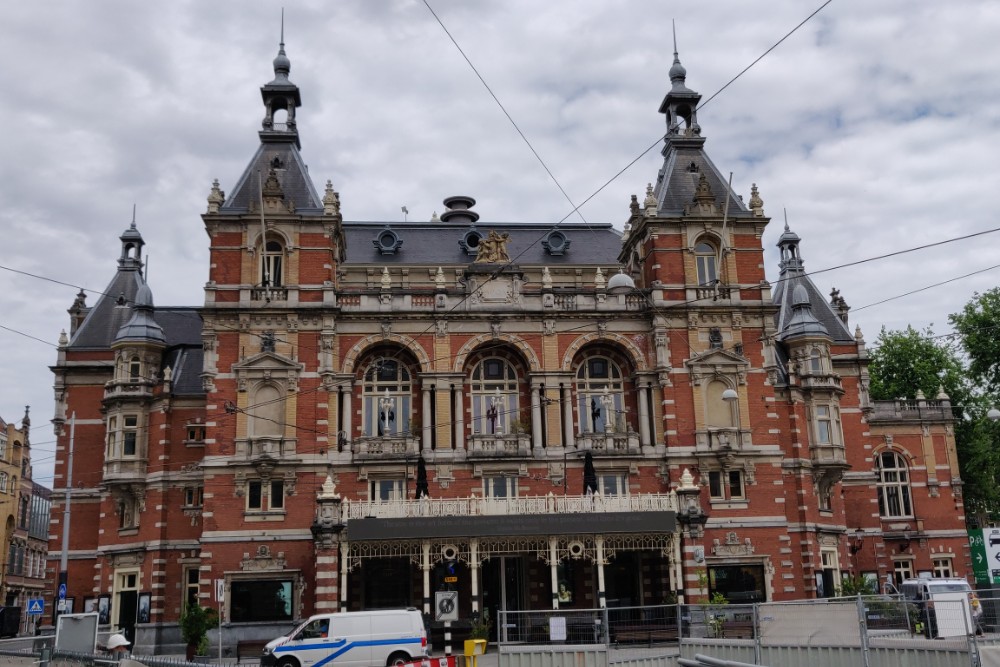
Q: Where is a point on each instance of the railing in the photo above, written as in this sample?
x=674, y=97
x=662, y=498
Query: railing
x=722, y=439
x=386, y=447
x=483, y=445
x=269, y=294
x=911, y=409
x=422, y=300
x=612, y=442
x=476, y=506
x=124, y=469
x=565, y=301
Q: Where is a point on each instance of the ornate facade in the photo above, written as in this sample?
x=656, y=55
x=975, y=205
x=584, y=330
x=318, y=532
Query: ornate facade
x=365, y=414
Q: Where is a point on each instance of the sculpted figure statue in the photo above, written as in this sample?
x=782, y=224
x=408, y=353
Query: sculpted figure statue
x=493, y=248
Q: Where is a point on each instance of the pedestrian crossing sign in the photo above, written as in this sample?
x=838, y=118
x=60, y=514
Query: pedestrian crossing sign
x=36, y=606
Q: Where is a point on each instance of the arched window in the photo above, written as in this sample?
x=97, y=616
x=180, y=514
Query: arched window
x=3, y=482
x=387, y=397
x=494, y=396
x=600, y=393
x=705, y=257
x=134, y=368
x=893, y=486
x=271, y=265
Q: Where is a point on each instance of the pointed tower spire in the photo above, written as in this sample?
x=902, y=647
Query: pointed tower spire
x=681, y=103
x=788, y=244
x=281, y=96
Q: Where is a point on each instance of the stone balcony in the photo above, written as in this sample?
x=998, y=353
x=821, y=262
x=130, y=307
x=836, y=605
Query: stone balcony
x=478, y=506
x=722, y=439
x=128, y=389
x=911, y=410
x=125, y=470
x=483, y=445
x=620, y=443
x=385, y=448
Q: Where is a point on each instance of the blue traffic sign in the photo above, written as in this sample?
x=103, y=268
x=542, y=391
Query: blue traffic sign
x=36, y=607
x=62, y=591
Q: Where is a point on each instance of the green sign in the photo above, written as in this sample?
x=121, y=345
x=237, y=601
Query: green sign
x=980, y=560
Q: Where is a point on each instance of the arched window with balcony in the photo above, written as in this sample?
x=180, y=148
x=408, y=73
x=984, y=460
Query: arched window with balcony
x=600, y=391
x=387, y=397
x=894, y=498
x=271, y=266
x=494, y=396
x=705, y=258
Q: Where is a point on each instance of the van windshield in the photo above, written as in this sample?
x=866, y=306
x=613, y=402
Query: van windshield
x=949, y=588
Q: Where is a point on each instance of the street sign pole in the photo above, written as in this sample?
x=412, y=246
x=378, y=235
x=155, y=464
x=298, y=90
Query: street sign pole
x=64, y=556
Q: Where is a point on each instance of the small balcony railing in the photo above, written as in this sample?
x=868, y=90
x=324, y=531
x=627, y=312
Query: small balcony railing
x=386, y=447
x=622, y=443
x=270, y=293
x=125, y=470
x=483, y=445
x=722, y=439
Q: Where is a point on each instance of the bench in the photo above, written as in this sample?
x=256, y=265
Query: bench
x=643, y=634
x=250, y=648
x=741, y=629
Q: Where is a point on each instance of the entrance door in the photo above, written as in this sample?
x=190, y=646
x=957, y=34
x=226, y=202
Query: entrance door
x=503, y=590
x=127, y=603
x=621, y=581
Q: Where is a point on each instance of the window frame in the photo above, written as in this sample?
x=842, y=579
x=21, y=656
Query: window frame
x=272, y=263
x=376, y=387
x=706, y=257
x=260, y=496
x=489, y=390
x=895, y=493
x=720, y=489
x=386, y=489
x=590, y=386
x=943, y=567
x=500, y=486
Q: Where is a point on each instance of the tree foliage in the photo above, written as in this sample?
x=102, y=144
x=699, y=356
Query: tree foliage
x=905, y=362
x=979, y=327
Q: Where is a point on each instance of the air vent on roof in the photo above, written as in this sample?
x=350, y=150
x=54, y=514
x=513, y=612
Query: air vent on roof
x=387, y=242
x=556, y=243
x=459, y=210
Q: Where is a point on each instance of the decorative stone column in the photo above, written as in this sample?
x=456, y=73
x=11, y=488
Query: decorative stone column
x=536, y=418
x=426, y=418
x=458, y=415
x=326, y=529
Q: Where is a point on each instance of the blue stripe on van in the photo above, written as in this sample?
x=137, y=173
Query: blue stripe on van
x=343, y=646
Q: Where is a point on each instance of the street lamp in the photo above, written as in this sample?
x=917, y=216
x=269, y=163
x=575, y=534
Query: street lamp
x=857, y=542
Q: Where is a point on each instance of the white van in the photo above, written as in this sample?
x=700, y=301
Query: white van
x=351, y=639
x=948, y=607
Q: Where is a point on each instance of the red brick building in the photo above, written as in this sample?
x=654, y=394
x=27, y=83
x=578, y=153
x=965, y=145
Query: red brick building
x=363, y=414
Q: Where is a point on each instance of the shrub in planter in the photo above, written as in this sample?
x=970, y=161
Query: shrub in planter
x=196, y=621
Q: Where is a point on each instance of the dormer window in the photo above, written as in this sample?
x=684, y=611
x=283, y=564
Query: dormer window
x=134, y=369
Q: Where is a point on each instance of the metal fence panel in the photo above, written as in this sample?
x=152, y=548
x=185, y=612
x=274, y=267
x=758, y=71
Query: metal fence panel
x=552, y=627
x=814, y=623
x=514, y=656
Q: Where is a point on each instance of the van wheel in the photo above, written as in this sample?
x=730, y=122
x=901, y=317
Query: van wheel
x=288, y=662
x=397, y=658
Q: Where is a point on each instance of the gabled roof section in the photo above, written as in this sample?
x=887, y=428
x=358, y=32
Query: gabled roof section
x=292, y=174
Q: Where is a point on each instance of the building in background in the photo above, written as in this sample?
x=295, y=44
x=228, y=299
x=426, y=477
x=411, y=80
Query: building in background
x=363, y=415
x=25, y=534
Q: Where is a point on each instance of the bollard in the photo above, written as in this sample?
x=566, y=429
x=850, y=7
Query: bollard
x=43, y=661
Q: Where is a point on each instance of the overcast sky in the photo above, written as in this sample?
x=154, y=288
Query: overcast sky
x=875, y=126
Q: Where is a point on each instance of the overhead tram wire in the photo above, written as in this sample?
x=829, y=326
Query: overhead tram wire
x=505, y=112
x=563, y=219
x=671, y=306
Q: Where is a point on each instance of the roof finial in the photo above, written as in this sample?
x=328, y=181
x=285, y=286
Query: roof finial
x=785, y=211
x=133, y=215
x=673, y=27
x=283, y=28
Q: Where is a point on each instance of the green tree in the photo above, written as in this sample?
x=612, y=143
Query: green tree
x=904, y=362
x=979, y=327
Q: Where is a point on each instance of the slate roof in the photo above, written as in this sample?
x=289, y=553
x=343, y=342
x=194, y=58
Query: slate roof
x=789, y=280
x=684, y=162
x=292, y=174
x=437, y=243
